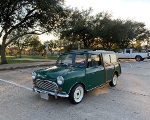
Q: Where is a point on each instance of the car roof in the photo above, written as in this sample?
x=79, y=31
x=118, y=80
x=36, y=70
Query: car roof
x=90, y=51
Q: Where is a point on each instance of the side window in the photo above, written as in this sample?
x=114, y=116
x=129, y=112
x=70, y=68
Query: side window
x=106, y=58
x=113, y=58
x=93, y=60
x=80, y=58
x=127, y=50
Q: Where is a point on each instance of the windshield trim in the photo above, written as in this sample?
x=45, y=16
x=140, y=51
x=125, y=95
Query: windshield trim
x=72, y=59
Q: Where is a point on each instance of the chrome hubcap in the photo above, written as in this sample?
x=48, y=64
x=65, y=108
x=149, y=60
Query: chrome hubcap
x=78, y=94
x=115, y=79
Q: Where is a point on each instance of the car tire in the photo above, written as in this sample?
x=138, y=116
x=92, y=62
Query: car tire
x=76, y=94
x=114, y=80
x=138, y=58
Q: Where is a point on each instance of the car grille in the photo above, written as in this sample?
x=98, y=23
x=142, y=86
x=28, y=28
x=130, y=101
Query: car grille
x=46, y=85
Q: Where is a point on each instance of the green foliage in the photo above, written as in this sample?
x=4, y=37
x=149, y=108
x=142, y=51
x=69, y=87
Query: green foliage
x=101, y=31
x=27, y=17
x=34, y=42
x=79, y=28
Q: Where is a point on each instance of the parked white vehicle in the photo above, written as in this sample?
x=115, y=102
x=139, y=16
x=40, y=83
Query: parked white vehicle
x=131, y=54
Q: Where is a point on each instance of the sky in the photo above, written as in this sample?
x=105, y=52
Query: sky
x=137, y=10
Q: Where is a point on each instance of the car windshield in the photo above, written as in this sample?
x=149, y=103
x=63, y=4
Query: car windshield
x=76, y=60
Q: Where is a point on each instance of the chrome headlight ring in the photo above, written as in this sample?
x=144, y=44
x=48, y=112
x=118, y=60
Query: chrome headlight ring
x=33, y=75
x=60, y=80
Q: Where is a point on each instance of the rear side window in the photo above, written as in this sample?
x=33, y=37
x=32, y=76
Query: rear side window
x=110, y=58
x=113, y=58
x=106, y=58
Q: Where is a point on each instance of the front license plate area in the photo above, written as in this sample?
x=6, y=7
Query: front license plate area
x=44, y=96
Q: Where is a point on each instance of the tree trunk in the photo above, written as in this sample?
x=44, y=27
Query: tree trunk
x=20, y=50
x=3, y=56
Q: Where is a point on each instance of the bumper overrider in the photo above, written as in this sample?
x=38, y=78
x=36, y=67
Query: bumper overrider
x=55, y=93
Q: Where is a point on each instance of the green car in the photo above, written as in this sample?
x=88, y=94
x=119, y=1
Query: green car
x=76, y=72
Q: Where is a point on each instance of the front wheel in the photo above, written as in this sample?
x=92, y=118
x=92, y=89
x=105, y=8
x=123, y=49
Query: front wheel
x=114, y=80
x=76, y=94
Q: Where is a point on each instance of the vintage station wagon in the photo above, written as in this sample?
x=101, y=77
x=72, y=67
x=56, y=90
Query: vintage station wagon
x=76, y=72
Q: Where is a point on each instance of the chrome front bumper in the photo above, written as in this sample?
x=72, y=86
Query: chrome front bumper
x=56, y=93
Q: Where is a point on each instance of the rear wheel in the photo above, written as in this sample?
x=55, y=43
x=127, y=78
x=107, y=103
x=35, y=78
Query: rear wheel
x=138, y=58
x=114, y=80
x=76, y=94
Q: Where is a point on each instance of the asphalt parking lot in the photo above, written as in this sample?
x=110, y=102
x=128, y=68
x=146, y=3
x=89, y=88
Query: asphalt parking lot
x=129, y=100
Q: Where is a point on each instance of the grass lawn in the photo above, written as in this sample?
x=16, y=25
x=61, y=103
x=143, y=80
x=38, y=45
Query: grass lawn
x=40, y=57
x=11, y=59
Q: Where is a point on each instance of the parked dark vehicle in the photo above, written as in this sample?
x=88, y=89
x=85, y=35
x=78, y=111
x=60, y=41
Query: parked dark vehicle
x=76, y=72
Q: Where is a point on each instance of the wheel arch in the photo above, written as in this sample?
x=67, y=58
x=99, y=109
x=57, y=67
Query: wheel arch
x=138, y=56
x=76, y=84
x=116, y=72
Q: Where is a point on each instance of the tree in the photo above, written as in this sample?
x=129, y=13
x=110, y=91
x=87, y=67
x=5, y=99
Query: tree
x=122, y=35
x=35, y=45
x=78, y=28
x=148, y=40
x=117, y=33
x=103, y=30
x=0, y=48
x=36, y=17
x=21, y=43
x=135, y=31
x=143, y=34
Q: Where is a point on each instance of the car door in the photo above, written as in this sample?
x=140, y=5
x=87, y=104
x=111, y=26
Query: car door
x=108, y=66
x=127, y=53
x=94, y=72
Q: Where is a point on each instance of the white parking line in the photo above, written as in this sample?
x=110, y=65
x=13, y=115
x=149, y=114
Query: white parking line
x=130, y=65
x=16, y=84
x=2, y=118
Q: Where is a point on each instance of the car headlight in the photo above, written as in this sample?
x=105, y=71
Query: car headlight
x=33, y=75
x=60, y=80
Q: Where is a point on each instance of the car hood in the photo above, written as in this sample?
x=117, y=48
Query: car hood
x=51, y=73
